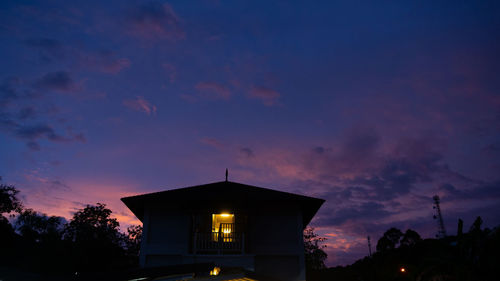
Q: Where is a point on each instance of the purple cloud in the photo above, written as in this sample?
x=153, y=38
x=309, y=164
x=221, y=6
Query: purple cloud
x=140, y=104
x=103, y=61
x=171, y=71
x=60, y=81
x=154, y=20
x=33, y=133
x=213, y=90
x=212, y=142
x=247, y=152
x=268, y=96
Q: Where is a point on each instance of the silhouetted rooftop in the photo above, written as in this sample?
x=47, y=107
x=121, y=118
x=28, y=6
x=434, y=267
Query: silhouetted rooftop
x=225, y=191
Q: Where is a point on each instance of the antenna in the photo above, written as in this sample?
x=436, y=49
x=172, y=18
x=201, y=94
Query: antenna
x=369, y=246
x=460, y=227
x=226, y=174
x=439, y=217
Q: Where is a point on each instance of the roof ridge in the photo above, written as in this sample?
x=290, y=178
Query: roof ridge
x=220, y=182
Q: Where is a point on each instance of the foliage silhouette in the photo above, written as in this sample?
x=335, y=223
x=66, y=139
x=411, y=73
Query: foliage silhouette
x=410, y=238
x=50, y=247
x=39, y=227
x=476, y=225
x=133, y=241
x=92, y=242
x=390, y=240
x=315, y=255
x=9, y=202
x=470, y=256
x=96, y=241
x=8, y=199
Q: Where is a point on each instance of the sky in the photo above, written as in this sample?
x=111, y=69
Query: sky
x=374, y=106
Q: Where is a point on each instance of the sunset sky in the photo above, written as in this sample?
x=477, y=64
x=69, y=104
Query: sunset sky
x=374, y=106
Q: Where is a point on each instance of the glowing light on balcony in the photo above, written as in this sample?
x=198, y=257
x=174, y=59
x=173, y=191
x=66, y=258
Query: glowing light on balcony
x=402, y=269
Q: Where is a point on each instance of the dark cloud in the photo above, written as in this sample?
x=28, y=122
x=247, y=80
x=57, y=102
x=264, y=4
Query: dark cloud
x=79, y=137
x=397, y=172
x=356, y=153
x=55, y=163
x=492, y=147
x=49, y=49
x=154, y=20
x=44, y=43
x=367, y=211
x=57, y=184
x=37, y=131
x=9, y=90
x=360, y=144
x=60, y=81
x=33, y=146
x=247, y=152
x=105, y=61
x=396, y=191
x=319, y=150
x=28, y=112
x=448, y=188
x=33, y=133
x=482, y=191
x=396, y=177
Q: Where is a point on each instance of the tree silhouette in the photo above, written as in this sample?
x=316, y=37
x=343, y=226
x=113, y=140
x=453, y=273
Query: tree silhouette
x=390, y=240
x=315, y=256
x=90, y=241
x=96, y=240
x=476, y=225
x=93, y=223
x=410, y=238
x=39, y=227
x=9, y=202
x=8, y=199
x=133, y=241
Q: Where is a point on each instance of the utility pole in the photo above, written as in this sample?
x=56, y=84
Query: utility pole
x=439, y=218
x=369, y=246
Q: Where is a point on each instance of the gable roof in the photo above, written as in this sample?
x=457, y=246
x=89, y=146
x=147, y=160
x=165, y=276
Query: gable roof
x=225, y=191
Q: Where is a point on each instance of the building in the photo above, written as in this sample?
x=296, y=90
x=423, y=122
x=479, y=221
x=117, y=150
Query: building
x=230, y=224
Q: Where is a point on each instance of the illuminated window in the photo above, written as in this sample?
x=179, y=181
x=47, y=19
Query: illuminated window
x=222, y=227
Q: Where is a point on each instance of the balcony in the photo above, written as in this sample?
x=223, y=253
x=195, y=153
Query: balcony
x=219, y=243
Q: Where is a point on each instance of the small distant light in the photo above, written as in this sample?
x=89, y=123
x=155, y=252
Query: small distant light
x=402, y=269
x=215, y=271
x=225, y=215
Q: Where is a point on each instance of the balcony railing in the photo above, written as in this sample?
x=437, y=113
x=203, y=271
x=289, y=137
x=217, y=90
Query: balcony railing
x=219, y=243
